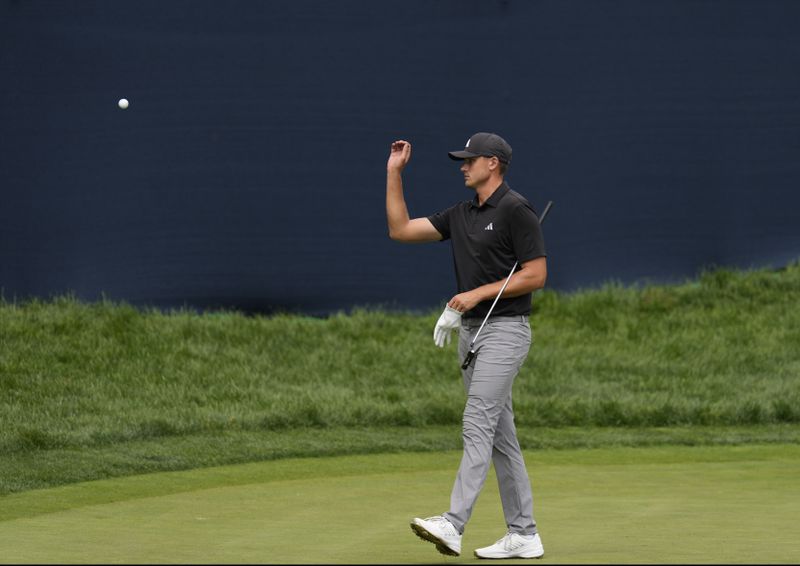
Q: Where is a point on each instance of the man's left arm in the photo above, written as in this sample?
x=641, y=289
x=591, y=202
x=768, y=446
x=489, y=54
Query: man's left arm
x=530, y=277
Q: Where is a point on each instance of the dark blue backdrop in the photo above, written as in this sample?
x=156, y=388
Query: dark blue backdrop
x=249, y=170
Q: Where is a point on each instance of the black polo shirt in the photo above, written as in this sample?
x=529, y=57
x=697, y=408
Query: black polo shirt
x=487, y=240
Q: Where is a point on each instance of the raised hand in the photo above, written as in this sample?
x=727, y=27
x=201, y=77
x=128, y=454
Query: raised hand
x=399, y=156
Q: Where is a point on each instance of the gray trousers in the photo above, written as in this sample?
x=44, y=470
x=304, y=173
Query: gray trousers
x=489, y=433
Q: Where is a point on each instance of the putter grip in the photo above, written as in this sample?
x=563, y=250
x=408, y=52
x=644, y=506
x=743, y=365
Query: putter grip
x=468, y=359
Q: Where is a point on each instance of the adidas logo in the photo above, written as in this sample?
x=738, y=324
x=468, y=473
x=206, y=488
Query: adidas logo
x=489, y=227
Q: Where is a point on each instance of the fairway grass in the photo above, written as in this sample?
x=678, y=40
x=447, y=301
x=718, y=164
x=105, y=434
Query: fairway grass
x=665, y=504
x=99, y=390
x=39, y=469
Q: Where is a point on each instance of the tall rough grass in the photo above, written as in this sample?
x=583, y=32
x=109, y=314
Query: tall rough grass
x=720, y=350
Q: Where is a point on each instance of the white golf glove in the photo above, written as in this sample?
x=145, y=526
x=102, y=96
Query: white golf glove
x=450, y=319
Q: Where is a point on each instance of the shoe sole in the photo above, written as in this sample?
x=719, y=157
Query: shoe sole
x=507, y=557
x=428, y=537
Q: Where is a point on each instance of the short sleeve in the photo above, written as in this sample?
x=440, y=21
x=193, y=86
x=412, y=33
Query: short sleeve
x=526, y=235
x=441, y=221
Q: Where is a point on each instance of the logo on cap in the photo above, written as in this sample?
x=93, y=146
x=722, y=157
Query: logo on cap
x=468, y=142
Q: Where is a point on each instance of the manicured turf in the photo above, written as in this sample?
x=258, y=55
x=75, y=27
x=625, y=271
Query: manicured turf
x=735, y=504
x=91, y=391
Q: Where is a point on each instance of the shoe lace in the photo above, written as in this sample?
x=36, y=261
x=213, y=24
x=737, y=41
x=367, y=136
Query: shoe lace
x=510, y=542
x=444, y=522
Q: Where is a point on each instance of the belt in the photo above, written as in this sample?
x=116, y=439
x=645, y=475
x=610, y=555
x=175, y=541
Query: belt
x=475, y=322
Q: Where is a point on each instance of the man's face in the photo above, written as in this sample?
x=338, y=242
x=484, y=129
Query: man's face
x=476, y=170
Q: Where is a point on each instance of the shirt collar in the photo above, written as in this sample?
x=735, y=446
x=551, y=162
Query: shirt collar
x=492, y=201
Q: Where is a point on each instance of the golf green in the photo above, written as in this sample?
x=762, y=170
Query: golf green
x=616, y=505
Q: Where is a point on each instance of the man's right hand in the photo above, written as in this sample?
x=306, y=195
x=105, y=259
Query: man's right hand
x=401, y=227
x=399, y=156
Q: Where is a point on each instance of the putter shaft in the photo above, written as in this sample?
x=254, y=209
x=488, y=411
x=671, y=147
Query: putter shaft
x=471, y=354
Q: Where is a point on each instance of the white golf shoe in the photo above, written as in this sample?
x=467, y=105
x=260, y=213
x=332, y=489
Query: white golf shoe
x=440, y=532
x=513, y=545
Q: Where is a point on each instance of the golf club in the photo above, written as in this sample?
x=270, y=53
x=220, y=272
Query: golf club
x=471, y=354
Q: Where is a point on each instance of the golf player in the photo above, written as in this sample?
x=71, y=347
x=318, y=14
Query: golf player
x=488, y=233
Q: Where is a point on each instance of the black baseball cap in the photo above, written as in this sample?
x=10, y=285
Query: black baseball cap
x=486, y=145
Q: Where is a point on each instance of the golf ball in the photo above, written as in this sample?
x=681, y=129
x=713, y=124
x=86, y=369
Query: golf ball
x=123, y=103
